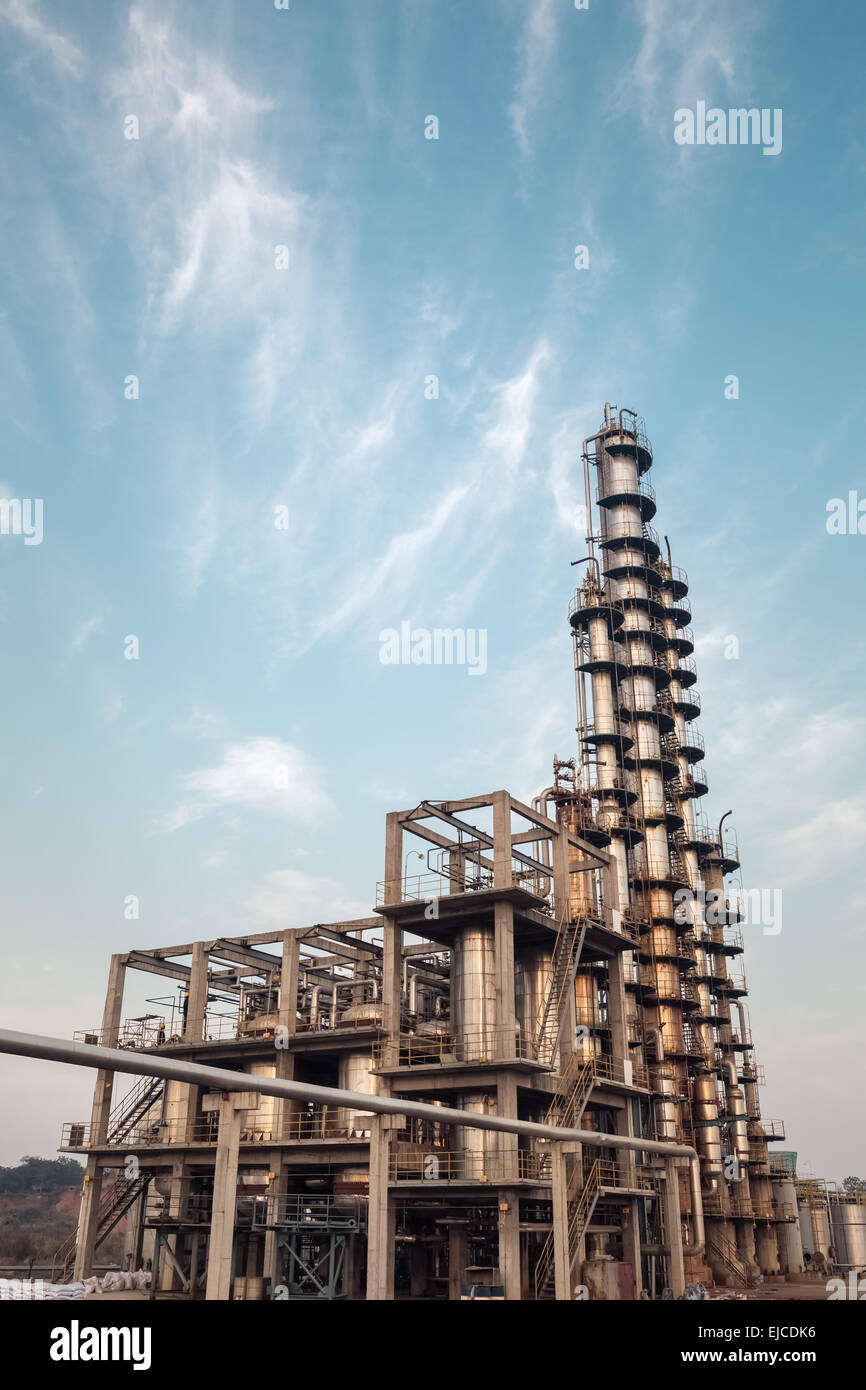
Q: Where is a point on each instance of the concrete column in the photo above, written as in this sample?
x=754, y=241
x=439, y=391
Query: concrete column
x=380, y=1215
x=506, y=1144
x=509, y=1243
x=501, y=840
x=352, y=1268
x=284, y=1060
x=269, y=1258
x=458, y=1257
x=561, y=1263
x=289, y=970
x=111, y=1020
x=170, y=1240
x=506, y=1016
x=631, y=1244
x=195, y=1248
x=673, y=1225
x=231, y=1106
x=197, y=999
x=393, y=858
x=135, y=1232
x=88, y=1220
x=392, y=988
x=616, y=1010
x=88, y=1216
x=417, y=1269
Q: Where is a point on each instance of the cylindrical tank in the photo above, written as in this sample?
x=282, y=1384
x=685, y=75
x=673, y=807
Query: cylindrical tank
x=473, y=991
x=665, y=1103
x=263, y=1121
x=788, y=1232
x=706, y=1116
x=532, y=970
x=821, y=1231
x=767, y=1250
x=355, y=1075
x=585, y=999
x=849, y=1233
x=174, y=1110
x=479, y=1146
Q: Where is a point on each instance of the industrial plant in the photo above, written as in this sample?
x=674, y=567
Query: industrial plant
x=569, y=963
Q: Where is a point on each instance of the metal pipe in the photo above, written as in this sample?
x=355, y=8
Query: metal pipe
x=588, y=493
x=197, y=1074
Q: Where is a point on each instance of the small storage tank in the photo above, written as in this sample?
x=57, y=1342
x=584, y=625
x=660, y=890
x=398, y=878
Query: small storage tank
x=357, y=1014
x=849, y=1232
x=355, y=1075
x=479, y=1146
x=706, y=1115
x=262, y=1121
x=788, y=1232
x=473, y=991
x=532, y=971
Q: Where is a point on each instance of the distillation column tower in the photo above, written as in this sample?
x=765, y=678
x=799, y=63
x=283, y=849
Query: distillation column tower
x=641, y=765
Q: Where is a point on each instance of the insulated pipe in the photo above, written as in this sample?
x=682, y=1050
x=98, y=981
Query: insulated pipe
x=738, y=1005
x=588, y=493
x=197, y=1074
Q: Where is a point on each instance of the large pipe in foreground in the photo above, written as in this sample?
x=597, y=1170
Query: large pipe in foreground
x=197, y=1074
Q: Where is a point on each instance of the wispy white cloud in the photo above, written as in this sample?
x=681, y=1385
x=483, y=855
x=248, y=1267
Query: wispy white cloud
x=820, y=848
x=84, y=631
x=391, y=569
x=297, y=899
x=113, y=708
x=197, y=539
x=535, y=54
x=201, y=723
x=257, y=774
x=684, y=52
x=431, y=556
x=207, y=212
x=25, y=16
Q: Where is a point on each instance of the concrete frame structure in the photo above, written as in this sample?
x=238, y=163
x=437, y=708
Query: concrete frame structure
x=570, y=966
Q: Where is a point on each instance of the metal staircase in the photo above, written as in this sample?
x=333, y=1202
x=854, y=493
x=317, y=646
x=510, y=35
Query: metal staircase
x=566, y=954
x=726, y=1252
x=577, y=1081
x=114, y=1205
x=579, y=1213
x=135, y=1104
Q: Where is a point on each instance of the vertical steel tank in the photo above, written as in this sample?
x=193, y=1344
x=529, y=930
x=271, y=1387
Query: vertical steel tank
x=849, y=1231
x=473, y=992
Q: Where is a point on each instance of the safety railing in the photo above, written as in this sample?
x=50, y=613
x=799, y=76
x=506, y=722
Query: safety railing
x=262, y=1127
x=692, y=743
x=681, y=611
x=480, y=1045
x=330, y=1213
x=742, y=1207
x=773, y=1129
x=785, y=1211
x=433, y=887
x=466, y=1165
x=645, y=537
x=139, y=1034
x=637, y=487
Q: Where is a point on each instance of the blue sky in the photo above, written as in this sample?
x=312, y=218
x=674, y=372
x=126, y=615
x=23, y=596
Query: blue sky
x=305, y=388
